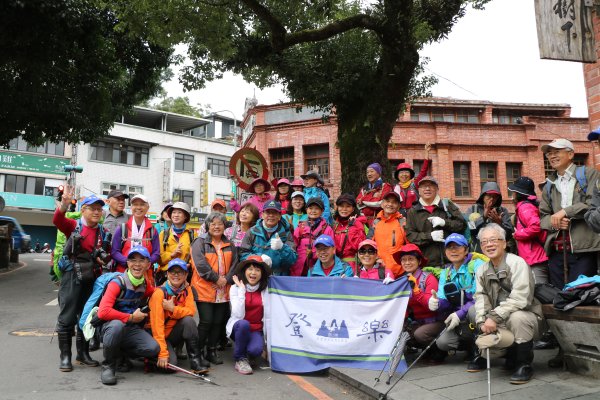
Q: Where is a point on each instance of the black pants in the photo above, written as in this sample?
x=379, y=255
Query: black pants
x=213, y=317
x=127, y=339
x=184, y=329
x=578, y=264
x=72, y=296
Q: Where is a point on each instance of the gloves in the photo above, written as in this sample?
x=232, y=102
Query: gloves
x=437, y=221
x=434, y=302
x=267, y=260
x=438, y=236
x=388, y=279
x=276, y=243
x=413, y=283
x=452, y=321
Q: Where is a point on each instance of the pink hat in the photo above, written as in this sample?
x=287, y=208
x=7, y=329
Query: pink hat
x=283, y=180
x=297, y=182
x=368, y=242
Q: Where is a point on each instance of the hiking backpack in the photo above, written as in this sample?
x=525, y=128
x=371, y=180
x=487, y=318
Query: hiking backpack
x=98, y=291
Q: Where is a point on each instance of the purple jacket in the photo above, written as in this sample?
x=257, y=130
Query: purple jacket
x=446, y=308
x=256, y=200
x=529, y=234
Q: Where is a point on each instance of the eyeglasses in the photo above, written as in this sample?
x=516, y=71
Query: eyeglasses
x=485, y=242
x=367, y=251
x=176, y=272
x=322, y=249
x=136, y=261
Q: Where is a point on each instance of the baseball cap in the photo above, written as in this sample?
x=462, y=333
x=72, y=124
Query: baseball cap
x=558, y=144
x=92, y=199
x=429, y=178
x=177, y=262
x=594, y=135
x=139, y=249
x=139, y=196
x=325, y=240
x=296, y=194
x=117, y=193
x=219, y=202
x=456, y=238
x=316, y=201
x=393, y=194
x=272, y=205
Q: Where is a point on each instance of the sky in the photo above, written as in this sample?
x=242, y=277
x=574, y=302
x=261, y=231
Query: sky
x=489, y=55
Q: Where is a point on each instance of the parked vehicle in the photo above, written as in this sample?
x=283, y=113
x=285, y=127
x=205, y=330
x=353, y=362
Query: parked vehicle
x=21, y=241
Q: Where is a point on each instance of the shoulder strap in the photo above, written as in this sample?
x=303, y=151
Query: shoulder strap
x=191, y=235
x=581, y=178
x=166, y=234
x=381, y=272
x=123, y=232
x=445, y=202
x=422, y=280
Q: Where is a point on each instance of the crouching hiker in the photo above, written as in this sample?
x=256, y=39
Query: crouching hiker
x=123, y=332
x=248, y=299
x=172, y=310
x=505, y=306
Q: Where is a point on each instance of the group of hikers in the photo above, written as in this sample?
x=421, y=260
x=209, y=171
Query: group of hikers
x=472, y=274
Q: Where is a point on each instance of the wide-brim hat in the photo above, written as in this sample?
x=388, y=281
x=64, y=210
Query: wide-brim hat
x=523, y=185
x=283, y=181
x=411, y=249
x=179, y=205
x=313, y=174
x=297, y=182
x=404, y=167
x=259, y=180
x=253, y=259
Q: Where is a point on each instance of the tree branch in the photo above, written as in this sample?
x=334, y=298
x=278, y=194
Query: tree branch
x=334, y=28
x=278, y=32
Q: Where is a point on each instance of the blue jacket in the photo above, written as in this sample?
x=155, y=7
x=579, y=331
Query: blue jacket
x=318, y=192
x=464, y=279
x=257, y=241
x=339, y=268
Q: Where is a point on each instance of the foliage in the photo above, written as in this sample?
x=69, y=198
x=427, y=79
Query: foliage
x=67, y=74
x=180, y=105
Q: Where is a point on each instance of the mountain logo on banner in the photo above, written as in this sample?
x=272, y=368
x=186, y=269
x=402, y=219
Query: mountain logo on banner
x=334, y=331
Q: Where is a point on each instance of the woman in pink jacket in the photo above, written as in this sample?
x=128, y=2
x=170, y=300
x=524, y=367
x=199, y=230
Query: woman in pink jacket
x=305, y=235
x=529, y=235
x=260, y=187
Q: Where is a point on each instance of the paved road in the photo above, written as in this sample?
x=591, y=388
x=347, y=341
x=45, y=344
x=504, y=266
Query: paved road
x=29, y=364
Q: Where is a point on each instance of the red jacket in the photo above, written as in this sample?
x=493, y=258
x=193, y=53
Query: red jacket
x=411, y=194
x=529, y=235
x=419, y=302
x=369, y=201
x=347, y=238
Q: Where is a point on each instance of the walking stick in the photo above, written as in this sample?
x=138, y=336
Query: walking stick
x=383, y=396
x=185, y=371
x=489, y=374
x=565, y=262
x=395, y=356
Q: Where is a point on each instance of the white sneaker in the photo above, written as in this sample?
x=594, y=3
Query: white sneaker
x=243, y=367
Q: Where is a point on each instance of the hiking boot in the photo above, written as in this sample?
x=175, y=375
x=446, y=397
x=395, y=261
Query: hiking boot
x=478, y=364
x=524, y=357
x=83, y=355
x=125, y=364
x=510, y=359
x=109, y=367
x=547, y=341
x=64, y=344
x=243, y=367
x=213, y=357
x=435, y=356
x=196, y=363
x=558, y=361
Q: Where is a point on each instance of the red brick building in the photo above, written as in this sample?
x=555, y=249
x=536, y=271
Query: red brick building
x=473, y=142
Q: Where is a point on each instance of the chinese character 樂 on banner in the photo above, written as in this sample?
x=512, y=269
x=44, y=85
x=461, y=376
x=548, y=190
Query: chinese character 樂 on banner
x=316, y=323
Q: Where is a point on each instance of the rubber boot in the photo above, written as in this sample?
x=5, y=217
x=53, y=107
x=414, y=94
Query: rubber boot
x=477, y=363
x=109, y=368
x=510, y=359
x=523, y=359
x=64, y=344
x=83, y=355
x=197, y=364
x=202, y=336
x=558, y=360
x=213, y=357
x=547, y=341
x=181, y=355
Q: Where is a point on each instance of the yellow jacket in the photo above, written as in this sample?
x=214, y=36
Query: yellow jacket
x=171, y=245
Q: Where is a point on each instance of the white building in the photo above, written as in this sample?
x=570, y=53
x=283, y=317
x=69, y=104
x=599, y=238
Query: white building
x=164, y=156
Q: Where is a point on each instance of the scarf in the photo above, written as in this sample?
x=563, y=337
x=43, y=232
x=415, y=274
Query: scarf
x=269, y=230
x=314, y=223
x=406, y=184
x=175, y=291
x=375, y=185
x=135, y=281
x=252, y=288
x=137, y=233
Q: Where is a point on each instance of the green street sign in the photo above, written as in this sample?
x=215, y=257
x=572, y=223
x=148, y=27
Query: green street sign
x=33, y=163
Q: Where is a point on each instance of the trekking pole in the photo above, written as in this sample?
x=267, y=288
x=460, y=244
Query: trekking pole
x=185, y=371
x=395, y=355
x=565, y=262
x=383, y=396
x=489, y=374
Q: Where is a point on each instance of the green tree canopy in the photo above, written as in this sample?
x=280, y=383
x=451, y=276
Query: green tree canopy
x=67, y=74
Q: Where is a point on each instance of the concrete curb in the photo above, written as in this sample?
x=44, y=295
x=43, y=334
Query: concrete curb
x=13, y=267
x=366, y=389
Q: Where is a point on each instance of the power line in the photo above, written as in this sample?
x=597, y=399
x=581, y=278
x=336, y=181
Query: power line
x=452, y=82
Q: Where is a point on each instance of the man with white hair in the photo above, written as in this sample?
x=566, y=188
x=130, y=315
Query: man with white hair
x=504, y=304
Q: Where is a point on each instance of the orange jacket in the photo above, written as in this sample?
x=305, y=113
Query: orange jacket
x=163, y=321
x=205, y=266
x=389, y=235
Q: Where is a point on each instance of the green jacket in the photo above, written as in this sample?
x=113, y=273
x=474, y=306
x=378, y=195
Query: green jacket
x=583, y=238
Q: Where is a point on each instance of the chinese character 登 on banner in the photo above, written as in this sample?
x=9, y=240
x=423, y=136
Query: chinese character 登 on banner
x=316, y=323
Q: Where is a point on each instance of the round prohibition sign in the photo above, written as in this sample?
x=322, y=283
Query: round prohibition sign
x=246, y=165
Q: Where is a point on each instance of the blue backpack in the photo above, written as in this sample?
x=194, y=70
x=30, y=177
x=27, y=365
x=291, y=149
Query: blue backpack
x=579, y=175
x=98, y=291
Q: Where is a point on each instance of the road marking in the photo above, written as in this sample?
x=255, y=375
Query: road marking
x=41, y=259
x=13, y=270
x=309, y=387
x=52, y=303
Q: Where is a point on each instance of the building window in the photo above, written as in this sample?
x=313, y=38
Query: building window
x=184, y=162
x=394, y=163
x=187, y=196
x=225, y=197
x=316, y=158
x=24, y=184
x=505, y=117
x=218, y=167
x=282, y=163
x=131, y=190
x=462, y=179
x=513, y=172
x=120, y=153
x=467, y=115
x=487, y=172
x=57, y=149
x=418, y=164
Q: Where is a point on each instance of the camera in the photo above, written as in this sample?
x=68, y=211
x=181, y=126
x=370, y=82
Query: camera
x=101, y=254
